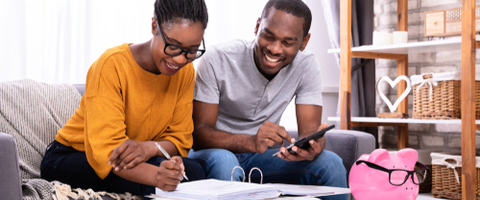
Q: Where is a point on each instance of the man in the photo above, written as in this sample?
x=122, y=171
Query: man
x=243, y=87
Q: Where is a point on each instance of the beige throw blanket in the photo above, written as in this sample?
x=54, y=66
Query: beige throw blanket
x=32, y=112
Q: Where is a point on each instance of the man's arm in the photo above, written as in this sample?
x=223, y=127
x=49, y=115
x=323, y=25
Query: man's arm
x=309, y=118
x=206, y=136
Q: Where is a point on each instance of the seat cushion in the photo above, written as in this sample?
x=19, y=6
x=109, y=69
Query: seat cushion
x=349, y=145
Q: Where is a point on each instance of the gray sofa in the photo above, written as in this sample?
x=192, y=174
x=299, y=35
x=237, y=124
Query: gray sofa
x=349, y=145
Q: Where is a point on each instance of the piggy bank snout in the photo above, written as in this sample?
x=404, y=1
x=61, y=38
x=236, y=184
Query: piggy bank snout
x=409, y=191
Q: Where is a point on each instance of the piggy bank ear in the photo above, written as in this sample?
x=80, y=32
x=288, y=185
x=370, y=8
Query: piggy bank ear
x=408, y=156
x=378, y=155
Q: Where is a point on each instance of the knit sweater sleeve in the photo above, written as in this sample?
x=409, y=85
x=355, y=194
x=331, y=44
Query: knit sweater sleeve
x=104, y=114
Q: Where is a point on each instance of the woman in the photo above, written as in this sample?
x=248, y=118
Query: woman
x=136, y=95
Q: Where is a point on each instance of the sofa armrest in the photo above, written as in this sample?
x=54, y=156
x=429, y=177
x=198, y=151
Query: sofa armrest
x=349, y=145
x=10, y=186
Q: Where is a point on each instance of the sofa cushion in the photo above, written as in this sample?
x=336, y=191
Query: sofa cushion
x=349, y=145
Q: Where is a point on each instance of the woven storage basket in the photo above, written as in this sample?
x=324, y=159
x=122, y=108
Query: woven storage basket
x=437, y=96
x=444, y=180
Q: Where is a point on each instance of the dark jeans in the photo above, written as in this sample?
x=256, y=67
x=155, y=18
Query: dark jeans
x=67, y=165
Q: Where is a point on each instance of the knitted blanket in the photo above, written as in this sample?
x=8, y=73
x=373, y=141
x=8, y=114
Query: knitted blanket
x=32, y=112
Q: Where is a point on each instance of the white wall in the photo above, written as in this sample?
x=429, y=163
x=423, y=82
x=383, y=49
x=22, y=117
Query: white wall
x=56, y=41
x=243, y=14
x=319, y=43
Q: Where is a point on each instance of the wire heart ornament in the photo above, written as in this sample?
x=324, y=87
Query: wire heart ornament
x=393, y=84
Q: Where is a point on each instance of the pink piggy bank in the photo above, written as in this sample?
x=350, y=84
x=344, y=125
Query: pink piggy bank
x=368, y=181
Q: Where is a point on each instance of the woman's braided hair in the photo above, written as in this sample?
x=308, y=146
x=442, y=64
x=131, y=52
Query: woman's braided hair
x=172, y=10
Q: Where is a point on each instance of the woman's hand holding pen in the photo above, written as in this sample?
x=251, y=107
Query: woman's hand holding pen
x=170, y=173
x=131, y=153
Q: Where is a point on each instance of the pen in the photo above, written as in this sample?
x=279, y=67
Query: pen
x=167, y=156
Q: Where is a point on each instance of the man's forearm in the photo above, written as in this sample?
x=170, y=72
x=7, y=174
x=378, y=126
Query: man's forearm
x=207, y=137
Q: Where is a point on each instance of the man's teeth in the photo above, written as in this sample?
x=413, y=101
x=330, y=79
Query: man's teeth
x=171, y=66
x=271, y=59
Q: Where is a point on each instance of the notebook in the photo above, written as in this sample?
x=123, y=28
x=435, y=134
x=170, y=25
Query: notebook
x=308, y=190
x=218, y=189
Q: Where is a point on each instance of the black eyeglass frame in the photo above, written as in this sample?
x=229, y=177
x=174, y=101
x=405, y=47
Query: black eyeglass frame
x=389, y=171
x=167, y=44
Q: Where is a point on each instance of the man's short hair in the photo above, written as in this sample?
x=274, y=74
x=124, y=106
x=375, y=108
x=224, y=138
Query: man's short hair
x=295, y=7
x=170, y=10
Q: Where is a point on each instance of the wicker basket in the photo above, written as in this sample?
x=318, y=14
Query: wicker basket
x=437, y=96
x=444, y=181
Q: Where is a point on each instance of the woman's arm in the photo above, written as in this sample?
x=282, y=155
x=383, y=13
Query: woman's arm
x=131, y=153
x=166, y=176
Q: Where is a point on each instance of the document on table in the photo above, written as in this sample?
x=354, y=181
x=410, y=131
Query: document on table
x=218, y=189
x=308, y=190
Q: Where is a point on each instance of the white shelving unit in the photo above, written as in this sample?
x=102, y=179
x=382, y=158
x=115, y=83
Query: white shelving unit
x=467, y=43
x=409, y=120
x=402, y=49
x=411, y=47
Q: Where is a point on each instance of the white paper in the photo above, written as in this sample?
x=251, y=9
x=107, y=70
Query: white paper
x=308, y=190
x=218, y=189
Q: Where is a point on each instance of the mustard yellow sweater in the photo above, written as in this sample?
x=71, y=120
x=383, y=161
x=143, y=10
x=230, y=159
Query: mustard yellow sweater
x=123, y=101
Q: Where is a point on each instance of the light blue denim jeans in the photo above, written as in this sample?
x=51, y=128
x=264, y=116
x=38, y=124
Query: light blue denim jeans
x=327, y=169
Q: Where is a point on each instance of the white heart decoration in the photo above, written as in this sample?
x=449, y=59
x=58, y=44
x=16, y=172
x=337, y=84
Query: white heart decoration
x=393, y=84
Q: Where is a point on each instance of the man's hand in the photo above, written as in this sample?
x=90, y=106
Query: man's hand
x=169, y=174
x=316, y=148
x=129, y=154
x=268, y=134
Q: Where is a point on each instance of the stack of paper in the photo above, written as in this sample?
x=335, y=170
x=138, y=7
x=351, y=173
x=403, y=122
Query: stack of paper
x=218, y=189
x=309, y=190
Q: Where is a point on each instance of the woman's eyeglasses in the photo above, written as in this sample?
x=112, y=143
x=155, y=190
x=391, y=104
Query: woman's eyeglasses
x=398, y=177
x=175, y=50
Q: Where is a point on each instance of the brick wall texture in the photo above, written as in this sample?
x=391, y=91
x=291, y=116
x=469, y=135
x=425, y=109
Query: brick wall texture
x=421, y=136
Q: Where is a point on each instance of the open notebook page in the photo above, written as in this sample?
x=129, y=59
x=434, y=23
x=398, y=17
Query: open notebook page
x=218, y=189
x=310, y=190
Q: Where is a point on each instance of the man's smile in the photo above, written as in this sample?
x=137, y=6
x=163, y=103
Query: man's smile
x=269, y=59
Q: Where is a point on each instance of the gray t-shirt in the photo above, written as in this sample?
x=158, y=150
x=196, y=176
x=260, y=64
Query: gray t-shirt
x=227, y=75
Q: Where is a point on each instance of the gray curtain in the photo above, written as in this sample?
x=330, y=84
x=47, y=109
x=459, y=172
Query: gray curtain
x=363, y=70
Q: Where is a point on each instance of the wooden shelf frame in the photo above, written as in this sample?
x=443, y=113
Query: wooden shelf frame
x=468, y=44
x=469, y=182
